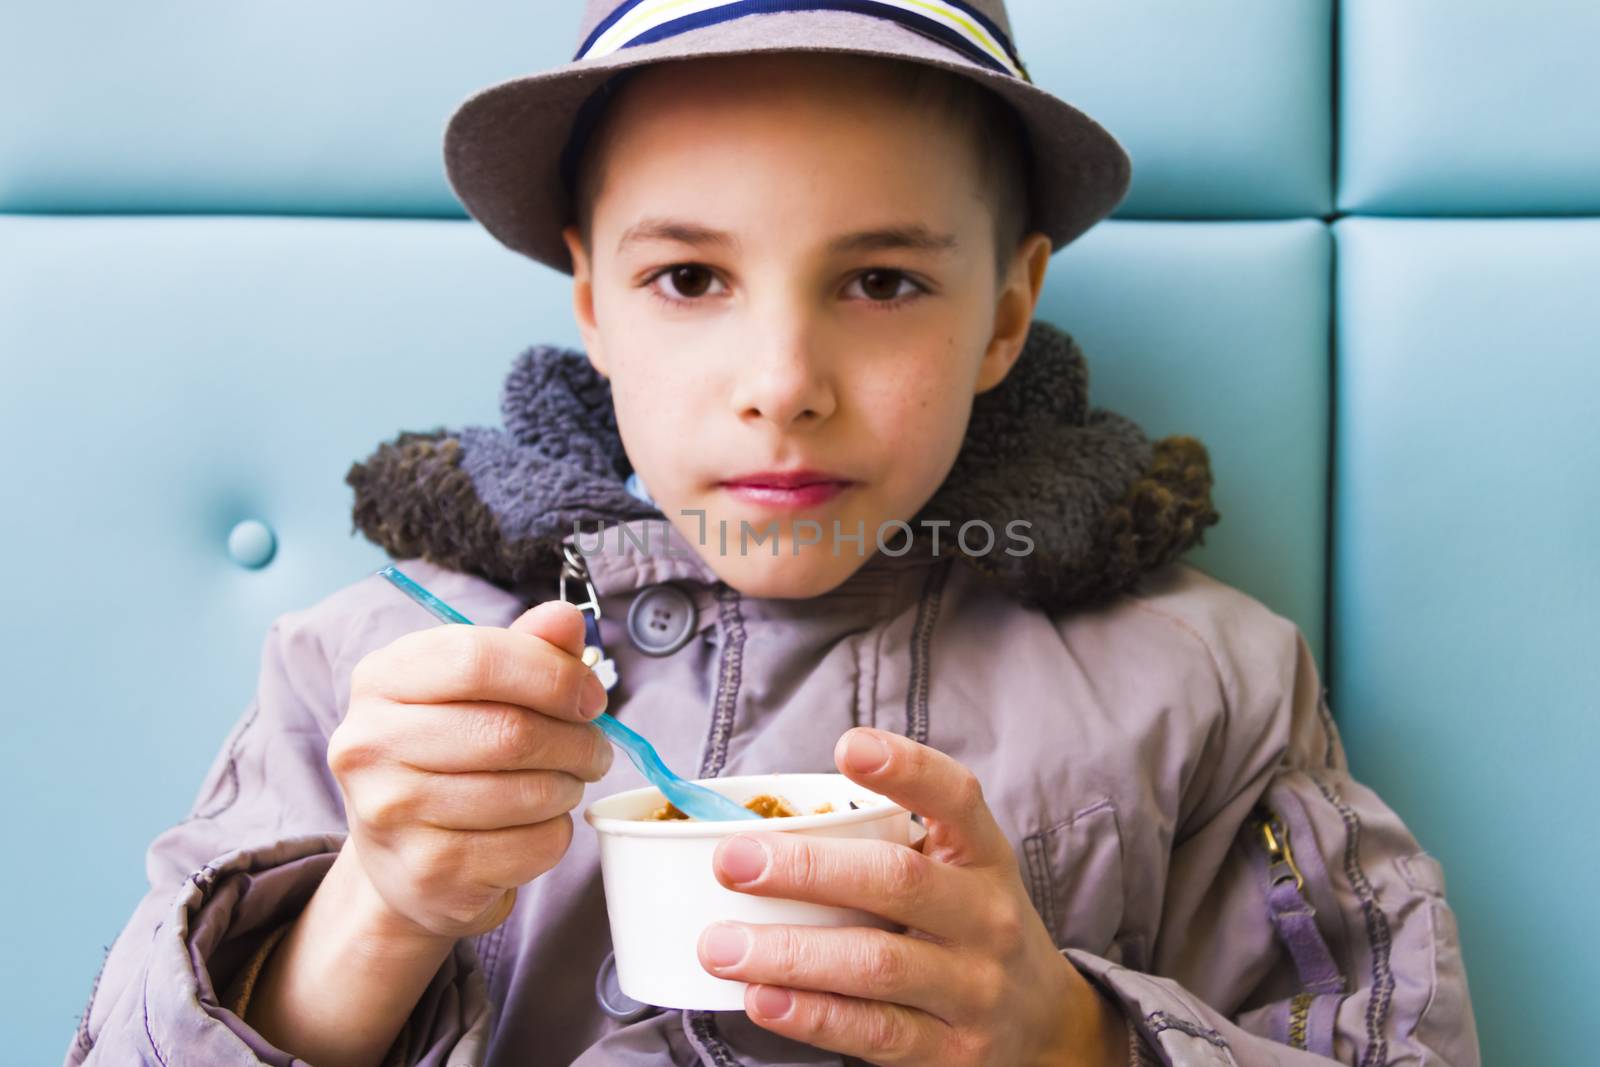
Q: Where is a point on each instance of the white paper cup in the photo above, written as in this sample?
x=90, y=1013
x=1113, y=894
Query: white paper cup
x=662, y=891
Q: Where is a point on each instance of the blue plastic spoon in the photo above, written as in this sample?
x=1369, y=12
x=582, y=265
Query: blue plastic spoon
x=695, y=801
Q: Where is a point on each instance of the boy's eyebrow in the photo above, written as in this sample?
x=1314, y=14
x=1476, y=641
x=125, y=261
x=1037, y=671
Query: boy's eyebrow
x=913, y=237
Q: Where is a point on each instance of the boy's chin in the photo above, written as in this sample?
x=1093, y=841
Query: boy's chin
x=813, y=572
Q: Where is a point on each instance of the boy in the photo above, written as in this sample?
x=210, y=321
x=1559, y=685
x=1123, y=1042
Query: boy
x=805, y=268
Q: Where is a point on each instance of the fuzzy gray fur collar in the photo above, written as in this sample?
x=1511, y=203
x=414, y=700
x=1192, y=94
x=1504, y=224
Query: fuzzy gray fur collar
x=1105, y=503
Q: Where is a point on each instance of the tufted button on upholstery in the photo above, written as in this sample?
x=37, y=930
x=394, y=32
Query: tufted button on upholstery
x=251, y=543
x=612, y=1000
x=661, y=619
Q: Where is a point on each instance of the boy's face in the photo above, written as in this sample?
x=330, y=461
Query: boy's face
x=754, y=310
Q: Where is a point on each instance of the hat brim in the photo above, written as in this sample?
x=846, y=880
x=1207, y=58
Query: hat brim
x=503, y=144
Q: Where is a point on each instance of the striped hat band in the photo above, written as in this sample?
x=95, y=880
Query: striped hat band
x=950, y=22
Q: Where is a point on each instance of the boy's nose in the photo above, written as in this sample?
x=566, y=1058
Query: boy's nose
x=785, y=385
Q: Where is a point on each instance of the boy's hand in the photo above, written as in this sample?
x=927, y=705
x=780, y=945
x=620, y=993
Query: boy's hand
x=463, y=753
x=976, y=980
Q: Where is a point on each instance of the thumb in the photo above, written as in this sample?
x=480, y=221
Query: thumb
x=557, y=621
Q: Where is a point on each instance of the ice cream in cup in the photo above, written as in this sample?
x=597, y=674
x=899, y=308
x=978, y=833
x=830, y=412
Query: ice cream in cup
x=662, y=891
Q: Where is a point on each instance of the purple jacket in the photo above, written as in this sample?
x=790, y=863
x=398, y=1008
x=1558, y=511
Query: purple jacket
x=1134, y=722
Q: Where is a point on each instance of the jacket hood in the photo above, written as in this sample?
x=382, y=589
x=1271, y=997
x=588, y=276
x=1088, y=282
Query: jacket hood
x=1104, y=503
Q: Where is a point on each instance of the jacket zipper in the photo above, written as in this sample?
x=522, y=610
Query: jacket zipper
x=1280, y=857
x=575, y=568
x=1299, y=1020
x=1281, y=867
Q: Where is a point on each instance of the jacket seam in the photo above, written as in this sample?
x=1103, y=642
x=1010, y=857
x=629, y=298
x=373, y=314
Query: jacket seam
x=1183, y=624
x=702, y=1026
x=1159, y=1021
x=730, y=674
x=1433, y=904
x=855, y=688
x=878, y=640
x=1376, y=925
x=202, y=879
x=84, y=1040
x=489, y=953
x=144, y=1006
x=1190, y=1026
x=921, y=642
x=1330, y=730
x=1044, y=898
x=1230, y=700
x=1042, y=881
x=231, y=771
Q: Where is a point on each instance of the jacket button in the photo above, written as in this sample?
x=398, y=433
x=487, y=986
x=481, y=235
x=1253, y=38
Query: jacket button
x=661, y=619
x=612, y=1000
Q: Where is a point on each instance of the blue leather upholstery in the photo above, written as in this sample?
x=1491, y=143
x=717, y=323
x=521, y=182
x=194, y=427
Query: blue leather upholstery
x=1439, y=557
x=1465, y=582
x=300, y=107
x=1469, y=108
x=1230, y=345
x=311, y=108
x=1224, y=106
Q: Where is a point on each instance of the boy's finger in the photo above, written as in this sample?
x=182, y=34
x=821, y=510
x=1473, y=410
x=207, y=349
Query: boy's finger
x=870, y=1030
x=487, y=736
x=557, y=621
x=881, y=877
x=489, y=800
x=853, y=961
x=459, y=663
x=924, y=780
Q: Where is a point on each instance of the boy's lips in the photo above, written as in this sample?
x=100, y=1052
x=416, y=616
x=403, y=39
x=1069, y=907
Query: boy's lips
x=787, y=489
x=792, y=479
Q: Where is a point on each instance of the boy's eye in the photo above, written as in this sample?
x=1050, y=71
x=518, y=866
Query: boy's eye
x=684, y=283
x=884, y=285
x=689, y=281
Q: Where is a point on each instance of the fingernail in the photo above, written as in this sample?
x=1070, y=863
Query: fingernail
x=865, y=753
x=772, y=1002
x=725, y=945
x=743, y=859
x=592, y=700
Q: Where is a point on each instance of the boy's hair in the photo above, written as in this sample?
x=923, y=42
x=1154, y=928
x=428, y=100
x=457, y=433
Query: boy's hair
x=993, y=130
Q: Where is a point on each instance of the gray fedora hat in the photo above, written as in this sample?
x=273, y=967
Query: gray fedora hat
x=510, y=149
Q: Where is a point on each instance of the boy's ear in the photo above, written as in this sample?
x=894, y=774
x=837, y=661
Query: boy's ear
x=1013, y=310
x=583, y=298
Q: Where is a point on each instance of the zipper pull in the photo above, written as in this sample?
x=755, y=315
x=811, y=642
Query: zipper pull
x=1280, y=857
x=594, y=657
x=604, y=669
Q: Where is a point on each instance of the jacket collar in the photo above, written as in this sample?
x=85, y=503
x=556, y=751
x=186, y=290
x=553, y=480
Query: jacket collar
x=1103, y=502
